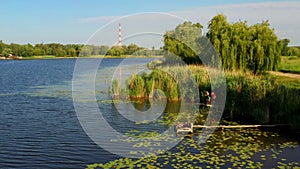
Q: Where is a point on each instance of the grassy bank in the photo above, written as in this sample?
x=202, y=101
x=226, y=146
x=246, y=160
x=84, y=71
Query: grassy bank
x=260, y=99
x=290, y=64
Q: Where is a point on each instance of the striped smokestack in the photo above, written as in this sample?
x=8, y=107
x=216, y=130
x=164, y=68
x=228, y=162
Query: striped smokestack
x=120, y=35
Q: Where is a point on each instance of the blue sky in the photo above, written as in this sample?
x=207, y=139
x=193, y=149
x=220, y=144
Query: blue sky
x=74, y=21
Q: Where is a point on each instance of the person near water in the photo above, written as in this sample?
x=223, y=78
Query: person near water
x=213, y=97
x=207, y=98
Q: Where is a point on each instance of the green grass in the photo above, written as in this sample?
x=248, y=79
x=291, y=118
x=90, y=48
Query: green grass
x=39, y=57
x=290, y=64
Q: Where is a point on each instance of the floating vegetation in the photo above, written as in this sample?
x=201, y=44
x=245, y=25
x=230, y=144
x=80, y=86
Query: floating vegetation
x=111, y=101
x=243, y=148
x=54, y=91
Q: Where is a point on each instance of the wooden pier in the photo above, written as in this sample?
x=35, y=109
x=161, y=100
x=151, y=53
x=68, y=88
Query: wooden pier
x=189, y=128
x=242, y=126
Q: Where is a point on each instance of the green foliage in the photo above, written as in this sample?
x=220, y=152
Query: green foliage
x=6, y=52
x=143, y=86
x=60, y=52
x=38, y=52
x=116, y=51
x=264, y=99
x=103, y=50
x=244, y=47
x=183, y=42
x=284, y=46
x=72, y=52
x=239, y=46
x=86, y=51
x=2, y=46
x=137, y=87
x=29, y=50
x=116, y=88
x=293, y=51
x=132, y=48
x=143, y=52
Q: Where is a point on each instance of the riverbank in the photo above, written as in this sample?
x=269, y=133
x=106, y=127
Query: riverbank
x=85, y=57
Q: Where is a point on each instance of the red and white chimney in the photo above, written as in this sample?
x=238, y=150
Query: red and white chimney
x=120, y=35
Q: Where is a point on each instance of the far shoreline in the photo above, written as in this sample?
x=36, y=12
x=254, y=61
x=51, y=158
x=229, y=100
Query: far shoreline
x=84, y=57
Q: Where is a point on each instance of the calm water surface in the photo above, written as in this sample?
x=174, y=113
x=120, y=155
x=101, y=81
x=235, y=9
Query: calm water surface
x=39, y=127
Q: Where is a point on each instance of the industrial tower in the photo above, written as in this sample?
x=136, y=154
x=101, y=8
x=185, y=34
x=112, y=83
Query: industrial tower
x=120, y=35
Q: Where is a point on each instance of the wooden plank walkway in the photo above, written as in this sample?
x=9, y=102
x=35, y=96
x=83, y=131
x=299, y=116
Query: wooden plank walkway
x=189, y=129
x=241, y=126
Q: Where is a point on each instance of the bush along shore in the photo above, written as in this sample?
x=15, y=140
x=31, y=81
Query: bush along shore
x=250, y=98
x=159, y=84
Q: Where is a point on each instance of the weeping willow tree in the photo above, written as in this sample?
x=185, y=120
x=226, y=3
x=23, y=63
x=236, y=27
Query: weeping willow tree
x=183, y=42
x=243, y=47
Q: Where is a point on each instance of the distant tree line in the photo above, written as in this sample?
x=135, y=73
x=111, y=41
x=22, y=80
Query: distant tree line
x=238, y=45
x=293, y=51
x=73, y=50
x=28, y=50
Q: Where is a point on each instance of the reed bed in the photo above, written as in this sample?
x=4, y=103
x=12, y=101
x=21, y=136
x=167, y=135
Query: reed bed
x=250, y=98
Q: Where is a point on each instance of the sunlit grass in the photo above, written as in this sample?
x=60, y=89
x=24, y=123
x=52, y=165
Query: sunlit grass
x=290, y=64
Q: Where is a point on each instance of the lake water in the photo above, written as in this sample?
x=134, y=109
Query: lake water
x=39, y=127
